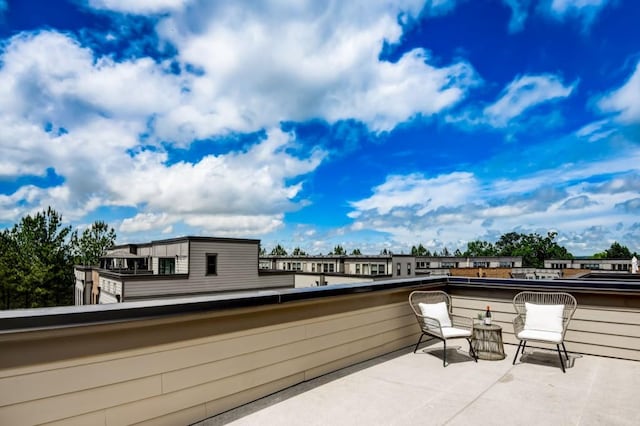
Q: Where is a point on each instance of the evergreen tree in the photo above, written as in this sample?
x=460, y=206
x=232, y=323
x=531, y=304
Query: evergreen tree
x=93, y=243
x=278, y=251
x=298, y=252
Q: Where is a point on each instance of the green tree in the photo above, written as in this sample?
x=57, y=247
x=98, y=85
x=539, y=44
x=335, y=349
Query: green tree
x=480, y=248
x=298, y=252
x=9, y=278
x=458, y=253
x=338, y=251
x=356, y=252
x=43, y=255
x=278, y=251
x=618, y=251
x=420, y=250
x=533, y=248
x=93, y=243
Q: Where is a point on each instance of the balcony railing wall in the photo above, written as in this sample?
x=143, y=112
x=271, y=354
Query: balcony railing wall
x=180, y=361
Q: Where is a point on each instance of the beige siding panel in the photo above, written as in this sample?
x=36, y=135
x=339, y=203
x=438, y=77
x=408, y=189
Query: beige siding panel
x=226, y=403
x=57, y=381
x=97, y=418
x=616, y=329
x=626, y=316
x=242, y=362
x=183, y=417
x=73, y=404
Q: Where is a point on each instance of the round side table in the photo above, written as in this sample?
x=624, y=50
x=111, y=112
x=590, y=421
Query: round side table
x=487, y=342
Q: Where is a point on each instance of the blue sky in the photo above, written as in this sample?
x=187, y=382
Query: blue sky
x=370, y=124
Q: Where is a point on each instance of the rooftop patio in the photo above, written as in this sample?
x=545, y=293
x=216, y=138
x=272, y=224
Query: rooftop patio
x=348, y=348
x=403, y=388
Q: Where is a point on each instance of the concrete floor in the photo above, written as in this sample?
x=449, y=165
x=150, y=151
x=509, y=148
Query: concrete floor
x=403, y=388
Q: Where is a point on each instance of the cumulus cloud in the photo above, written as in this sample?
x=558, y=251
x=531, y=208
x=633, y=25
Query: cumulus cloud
x=630, y=206
x=102, y=123
x=453, y=208
x=519, y=13
x=585, y=10
x=142, y=7
x=524, y=93
x=624, y=101
x=578, y=202
x=318, y=62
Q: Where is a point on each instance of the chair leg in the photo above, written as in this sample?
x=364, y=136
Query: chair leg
x=565, y=351
x=561, y=360
x=517, y=351
x=418, y=344
x=472, y=351
x=444, y=359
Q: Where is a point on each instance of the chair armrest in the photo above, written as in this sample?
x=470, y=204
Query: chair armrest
x=431, y=325
x=518, y=324
x=461, y=322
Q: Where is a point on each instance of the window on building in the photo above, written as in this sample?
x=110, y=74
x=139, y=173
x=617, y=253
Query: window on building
x=331, y=267
x=398, y=269
x=590, y=266
x=166, y=265
x=212, y=264
x=357, y=268
x=480, y=264
x=409, y=268
x=449, y=265
x=313, y=267
x=506, y=264
x=381, y=269
x=374, y=269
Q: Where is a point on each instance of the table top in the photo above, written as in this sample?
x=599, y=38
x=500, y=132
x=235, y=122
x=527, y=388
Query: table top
x=483, y=326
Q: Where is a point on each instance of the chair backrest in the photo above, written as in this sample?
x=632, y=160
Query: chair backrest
x=428, y=297
x=546, y=298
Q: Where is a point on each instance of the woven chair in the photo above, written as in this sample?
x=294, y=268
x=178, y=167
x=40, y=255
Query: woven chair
x=543, y=317
x=440, y=323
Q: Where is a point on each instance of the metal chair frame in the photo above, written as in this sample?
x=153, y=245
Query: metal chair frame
x=431, y=327
x=543, y=298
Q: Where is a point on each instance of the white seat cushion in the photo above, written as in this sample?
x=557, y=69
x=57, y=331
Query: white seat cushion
x=436, y=310
x=544, y=336
x=450, y=332
x=543, y=317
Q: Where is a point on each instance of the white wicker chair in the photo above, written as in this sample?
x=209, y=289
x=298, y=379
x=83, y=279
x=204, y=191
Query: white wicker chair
x=549, y=316
x=459, y=328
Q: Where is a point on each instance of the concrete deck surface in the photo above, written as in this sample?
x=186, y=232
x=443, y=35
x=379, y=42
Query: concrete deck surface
x=404, y=388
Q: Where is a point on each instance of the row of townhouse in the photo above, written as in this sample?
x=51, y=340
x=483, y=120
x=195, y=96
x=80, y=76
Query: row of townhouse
x=609, y=265
x=204, y=265
x=391, y=265
x=175, y=267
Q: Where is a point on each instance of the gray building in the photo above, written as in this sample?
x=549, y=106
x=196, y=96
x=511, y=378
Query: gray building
x=176, y=267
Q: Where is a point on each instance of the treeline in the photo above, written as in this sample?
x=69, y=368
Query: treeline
x=37, y=257
x=533, y=248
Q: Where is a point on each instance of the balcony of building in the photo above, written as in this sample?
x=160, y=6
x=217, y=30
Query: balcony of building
x=340, y=354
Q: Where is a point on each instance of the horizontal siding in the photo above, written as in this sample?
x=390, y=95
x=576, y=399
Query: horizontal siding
x=595, y=329
x=189, y=380
x=237, y=269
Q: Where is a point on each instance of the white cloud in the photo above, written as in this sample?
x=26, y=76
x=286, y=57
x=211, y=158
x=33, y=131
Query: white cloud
x=624, y=101
x=524, y=93
x=586, y=10
x=63, y=109
x=459, y=207
x=519, y=13
x=145, y=222
x=316, y=61
x=416, y=191
x=142, y=7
